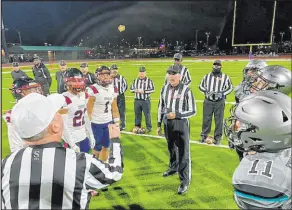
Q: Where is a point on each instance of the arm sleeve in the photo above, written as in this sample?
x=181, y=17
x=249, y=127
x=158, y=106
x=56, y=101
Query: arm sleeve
x=66, y=134
x=132, y=88
x=150, y=87
x=48, y=75
x=202, y=86
x=187, y=78
x=191, y=107
x=125, y=85
x=88, y=127
x=228, y=87
x=102, y=174
x=161, y=107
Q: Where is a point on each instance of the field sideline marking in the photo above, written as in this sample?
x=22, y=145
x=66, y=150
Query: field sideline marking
x=160, y=137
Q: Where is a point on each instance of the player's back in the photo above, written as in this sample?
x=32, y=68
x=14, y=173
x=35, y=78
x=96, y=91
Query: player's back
x=263, y=180
x=104, y=96
x=76, y=105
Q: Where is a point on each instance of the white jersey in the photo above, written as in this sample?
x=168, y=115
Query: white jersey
x=102, y=108
x=15, y=142
x=76, y=105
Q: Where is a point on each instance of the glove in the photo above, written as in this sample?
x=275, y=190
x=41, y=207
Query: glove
x=209, y=94
x=76, y=148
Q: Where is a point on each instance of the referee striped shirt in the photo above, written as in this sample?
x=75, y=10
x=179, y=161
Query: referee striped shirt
x=220, y=83
x=50, y=176
x=185, y=76
x=121, y=84
x=146, y=85
x=179, y=100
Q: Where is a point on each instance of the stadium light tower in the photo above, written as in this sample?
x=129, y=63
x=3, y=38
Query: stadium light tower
x=197, y=40
x=282, y=34
x=290, y=27
x=217, y=41
x=139, y=40
x=207, y=36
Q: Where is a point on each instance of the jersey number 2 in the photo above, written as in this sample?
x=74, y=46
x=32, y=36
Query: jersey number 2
x=78, y=119
x=266, y=172
x=106, y=107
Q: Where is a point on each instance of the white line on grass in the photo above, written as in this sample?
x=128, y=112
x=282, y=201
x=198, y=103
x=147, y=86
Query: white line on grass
x=160, y=137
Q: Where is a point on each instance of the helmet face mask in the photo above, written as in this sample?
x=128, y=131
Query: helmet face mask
x=103, y=75
x=75, y=81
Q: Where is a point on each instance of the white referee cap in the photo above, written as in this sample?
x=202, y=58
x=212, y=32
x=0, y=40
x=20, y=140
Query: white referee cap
x=33, y=113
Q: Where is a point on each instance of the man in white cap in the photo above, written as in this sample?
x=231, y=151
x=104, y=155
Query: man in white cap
x=45, y=175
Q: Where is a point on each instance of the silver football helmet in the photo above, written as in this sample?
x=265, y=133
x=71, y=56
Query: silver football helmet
x=251, y=68
x=261, y=122
x=275, y=77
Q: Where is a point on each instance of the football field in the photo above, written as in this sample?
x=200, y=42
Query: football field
x=146, y=158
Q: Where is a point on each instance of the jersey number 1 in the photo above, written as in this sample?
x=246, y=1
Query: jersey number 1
x=106, y=107
x=78, y=119
x=266, y=172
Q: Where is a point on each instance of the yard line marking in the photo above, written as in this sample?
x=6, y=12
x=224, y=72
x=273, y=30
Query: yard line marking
x=152, y=99
x=160, y=137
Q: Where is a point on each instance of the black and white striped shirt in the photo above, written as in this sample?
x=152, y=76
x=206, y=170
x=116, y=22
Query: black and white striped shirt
x=146, y=85
x=121, y=84
x=220, y=83
x=185, y=76
x=50, y=176
x=179, y=100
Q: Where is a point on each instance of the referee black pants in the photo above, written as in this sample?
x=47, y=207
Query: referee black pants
x=177, y=133
x=122, y=109
x=145, y=106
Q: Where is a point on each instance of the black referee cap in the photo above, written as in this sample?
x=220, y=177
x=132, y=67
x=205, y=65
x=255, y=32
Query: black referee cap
x=15, y=64
x=174, y=69
x=142, y=69
x=114, y=66
x=84, y=65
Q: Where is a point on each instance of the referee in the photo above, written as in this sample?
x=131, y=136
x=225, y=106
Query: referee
x=121, y=84
x=45, y=175
x=176, y=105
x=185, y=76
x=142, y=87
x=216, y=86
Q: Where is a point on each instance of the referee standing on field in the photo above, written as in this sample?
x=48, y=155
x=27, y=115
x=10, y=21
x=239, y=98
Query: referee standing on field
x=176, y=105
x=121, y=84
x=142, y=87
x=185, y=76
x=216, y=86
x=45, y=175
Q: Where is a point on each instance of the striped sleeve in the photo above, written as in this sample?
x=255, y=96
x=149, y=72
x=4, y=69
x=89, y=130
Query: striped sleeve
x=150, y=87
x=227, y=86
x=191, y=106
x=165, y=82
x=202, y=86
x=161, y=107
x=132, y=88
x=102, y=174
x=187, y=78
x=124, y=85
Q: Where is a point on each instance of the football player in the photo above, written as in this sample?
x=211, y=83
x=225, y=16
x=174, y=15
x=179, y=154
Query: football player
x=102, y=109
x=249, y=75
x=74, y=111
x=262, y=128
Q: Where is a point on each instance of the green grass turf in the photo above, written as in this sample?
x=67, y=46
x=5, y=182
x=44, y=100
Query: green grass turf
x=146, y=158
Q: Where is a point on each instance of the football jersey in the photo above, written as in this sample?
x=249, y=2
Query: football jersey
x=76, y=105
x=263, y=180
x=15, y=142
x=102, y=108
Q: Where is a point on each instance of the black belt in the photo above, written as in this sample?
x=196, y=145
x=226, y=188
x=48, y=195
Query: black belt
x=214, y=100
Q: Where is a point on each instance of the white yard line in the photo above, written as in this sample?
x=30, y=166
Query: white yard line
x=160, y=137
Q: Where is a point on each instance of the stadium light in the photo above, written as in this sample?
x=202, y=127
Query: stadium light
x=207, y=36
x=282, y=34
x=290, y=27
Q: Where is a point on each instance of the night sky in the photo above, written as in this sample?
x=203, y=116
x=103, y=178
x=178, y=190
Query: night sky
x=65, y=23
